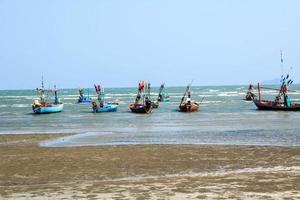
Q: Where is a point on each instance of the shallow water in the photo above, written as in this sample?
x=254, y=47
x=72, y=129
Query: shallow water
x=223, y=119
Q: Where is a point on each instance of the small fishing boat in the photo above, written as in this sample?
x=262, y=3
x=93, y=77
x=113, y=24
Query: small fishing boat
x=162, y=95
x=187, y=104
x=103, y=107
x=143, y=103
x=43, y=106
x=250, y=95
x=155, y=103
x=83, y=99
x=271, y=105
x=282, y=101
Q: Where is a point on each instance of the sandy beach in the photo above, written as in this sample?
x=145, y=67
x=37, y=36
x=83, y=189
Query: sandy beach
x=28, y=171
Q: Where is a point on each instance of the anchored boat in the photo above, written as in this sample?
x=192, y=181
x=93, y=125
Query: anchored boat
x=162, y=95
x=187, y=104
x=143, y=103
x=282, y=101
x=155, y=103
x=83, y=99
x=103, y=107
x=43, y=106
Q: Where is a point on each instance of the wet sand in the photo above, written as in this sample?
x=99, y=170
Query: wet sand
x=28, y=171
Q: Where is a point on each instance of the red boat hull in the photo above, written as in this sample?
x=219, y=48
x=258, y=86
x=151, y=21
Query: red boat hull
x=272, y=105
x=192, y=107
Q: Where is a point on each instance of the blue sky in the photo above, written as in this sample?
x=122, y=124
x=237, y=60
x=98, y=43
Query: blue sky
x=116, y=43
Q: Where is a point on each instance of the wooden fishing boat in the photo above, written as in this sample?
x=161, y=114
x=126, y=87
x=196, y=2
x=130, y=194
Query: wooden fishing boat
x=162, y=95
x=83, y=99
x=43, y=106
x=282, y=101
x=187, y=104
x=189, y=107
x=143, y=103
x=140, y=108
x=276, y=106
x=103, y=106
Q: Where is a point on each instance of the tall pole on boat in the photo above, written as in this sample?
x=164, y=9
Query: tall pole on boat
x=103, y=95
x=149, y=90
x=281, y=63
x=186, y=90
x=258, y=89
x=55, y=95
x=41, y=91
x=42, y=82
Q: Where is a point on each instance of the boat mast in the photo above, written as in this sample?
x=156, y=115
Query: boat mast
x=42, y=82
x=283, y=79
x=281, y=63
x=258, y=89
x=42, y=97
x=102, y=95
x=55, y=95
x=161, y=89
x=144, y=92
x=149, y=90
x=186, y=90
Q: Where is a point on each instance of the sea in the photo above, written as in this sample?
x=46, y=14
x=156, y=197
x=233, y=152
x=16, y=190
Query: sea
x=224, y=118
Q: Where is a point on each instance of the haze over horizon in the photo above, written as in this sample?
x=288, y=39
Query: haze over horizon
x=117, y=43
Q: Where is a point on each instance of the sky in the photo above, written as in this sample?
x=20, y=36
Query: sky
x=75, y=43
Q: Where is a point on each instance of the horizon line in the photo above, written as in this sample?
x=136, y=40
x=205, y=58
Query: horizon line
x=68, y=88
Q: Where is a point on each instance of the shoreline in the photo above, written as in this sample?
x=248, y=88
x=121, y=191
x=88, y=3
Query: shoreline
x=145, y=171
x=49, y=137
x=73, y=140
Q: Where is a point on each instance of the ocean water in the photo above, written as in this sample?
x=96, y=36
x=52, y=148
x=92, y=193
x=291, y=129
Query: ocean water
x=223, y=118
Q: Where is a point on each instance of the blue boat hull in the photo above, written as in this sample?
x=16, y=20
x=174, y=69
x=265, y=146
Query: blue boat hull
x=52, y=108
x=84, y=100
x=107, y=108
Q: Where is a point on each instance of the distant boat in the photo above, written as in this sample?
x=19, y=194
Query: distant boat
x=42, y=106
x=250, y=95
x=162, y=95
x=83, y=99
x=143, y=103
x=282, y=101
x=103, y=107
x=155, y=103
x=187, y=104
